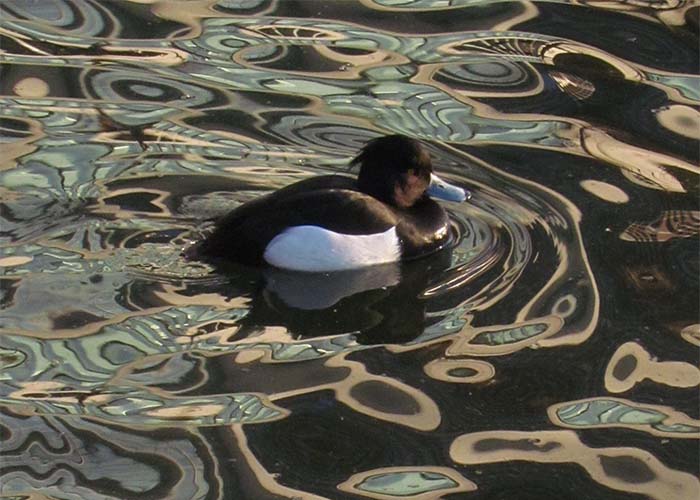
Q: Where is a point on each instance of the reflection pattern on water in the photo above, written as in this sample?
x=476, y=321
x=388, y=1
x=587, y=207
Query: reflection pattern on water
x=619, y=468
x=568, y=299
x=612, y=412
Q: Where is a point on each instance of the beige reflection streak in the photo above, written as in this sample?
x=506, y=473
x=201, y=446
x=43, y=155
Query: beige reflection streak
x=631, y=5
x=31, y=495
x=675, y=12
x=642, y=166
x=605, y=191
x=189, y=13
x=170, y=294
x=619, y=468
x=258, y=477
x=681, y=119
x=691, y=334
x=461, y=371
x=377, y=396
x=528, y=12
x=631, y=364
x=24, y=41
x=14, y=149
x=15, y=260
x=102, y=207
x=122, y=54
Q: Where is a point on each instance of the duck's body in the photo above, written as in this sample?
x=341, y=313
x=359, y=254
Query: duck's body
x=328, y=223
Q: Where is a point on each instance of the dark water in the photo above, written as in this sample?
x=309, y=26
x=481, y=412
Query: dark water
x=552, y=353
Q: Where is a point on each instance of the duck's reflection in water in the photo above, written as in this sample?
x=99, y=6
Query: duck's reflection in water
x=377, y=304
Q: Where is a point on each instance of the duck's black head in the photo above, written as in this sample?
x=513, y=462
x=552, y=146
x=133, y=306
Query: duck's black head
x=391, y=161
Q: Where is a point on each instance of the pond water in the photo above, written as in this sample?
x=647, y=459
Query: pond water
x=551, y=352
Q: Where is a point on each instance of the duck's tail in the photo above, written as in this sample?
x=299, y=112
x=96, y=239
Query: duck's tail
x=193, y=251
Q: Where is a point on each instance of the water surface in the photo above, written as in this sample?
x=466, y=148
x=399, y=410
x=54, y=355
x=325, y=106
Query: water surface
x=552, y=352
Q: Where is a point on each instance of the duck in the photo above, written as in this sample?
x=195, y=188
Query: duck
x=328, y=223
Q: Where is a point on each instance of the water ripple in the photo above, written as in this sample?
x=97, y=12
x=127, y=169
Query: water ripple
x=553, y=339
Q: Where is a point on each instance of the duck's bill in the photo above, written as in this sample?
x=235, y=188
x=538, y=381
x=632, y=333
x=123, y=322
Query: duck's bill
x=443, y=190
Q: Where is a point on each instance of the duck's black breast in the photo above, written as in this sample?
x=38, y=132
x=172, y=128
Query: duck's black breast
x=422, y=229
x=329, y=202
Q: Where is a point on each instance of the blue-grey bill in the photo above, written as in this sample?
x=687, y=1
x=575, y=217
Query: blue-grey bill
x=443, y=190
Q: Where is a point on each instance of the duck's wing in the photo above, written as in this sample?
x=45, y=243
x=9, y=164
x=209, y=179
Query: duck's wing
x=287, y=195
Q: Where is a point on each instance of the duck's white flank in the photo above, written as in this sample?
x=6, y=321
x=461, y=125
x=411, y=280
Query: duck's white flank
x=314, y=249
